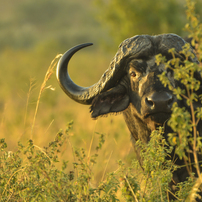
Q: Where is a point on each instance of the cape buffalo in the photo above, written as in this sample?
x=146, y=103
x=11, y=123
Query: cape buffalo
x=131, y=85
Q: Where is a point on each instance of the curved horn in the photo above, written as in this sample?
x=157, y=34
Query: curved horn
x=108, y=80
x=81, y=94
x=77, y=93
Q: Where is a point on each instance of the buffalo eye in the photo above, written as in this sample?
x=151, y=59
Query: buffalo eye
x=133, y=74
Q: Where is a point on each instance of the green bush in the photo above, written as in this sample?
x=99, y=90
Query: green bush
x=32, y=174
x=37, y=174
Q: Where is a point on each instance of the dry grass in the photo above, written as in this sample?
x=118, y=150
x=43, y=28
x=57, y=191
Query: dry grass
x=39, y=114
x=44, y=87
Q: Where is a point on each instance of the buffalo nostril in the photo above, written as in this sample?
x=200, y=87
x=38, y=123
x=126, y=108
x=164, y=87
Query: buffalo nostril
x=149, y=102
x=159, y=100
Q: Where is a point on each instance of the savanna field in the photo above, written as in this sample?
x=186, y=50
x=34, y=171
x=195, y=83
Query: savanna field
x=65, y=140
x=22, y=73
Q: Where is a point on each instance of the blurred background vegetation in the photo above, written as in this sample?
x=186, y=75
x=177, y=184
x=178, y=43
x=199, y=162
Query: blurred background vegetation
x=34, y=32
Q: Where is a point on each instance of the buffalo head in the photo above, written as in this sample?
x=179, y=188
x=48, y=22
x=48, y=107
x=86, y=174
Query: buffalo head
x=131, y=85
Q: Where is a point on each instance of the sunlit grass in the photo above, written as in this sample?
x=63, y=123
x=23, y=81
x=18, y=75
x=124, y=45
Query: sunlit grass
x=25, y=106
x=48, y=74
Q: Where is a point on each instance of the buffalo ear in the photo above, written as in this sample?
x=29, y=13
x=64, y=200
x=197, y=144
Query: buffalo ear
x=114, y=100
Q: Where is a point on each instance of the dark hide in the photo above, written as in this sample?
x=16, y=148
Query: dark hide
x=145, y=102
x=131, y=85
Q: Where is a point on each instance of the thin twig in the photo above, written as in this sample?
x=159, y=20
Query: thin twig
x=49, y=126
x=106, y=167
x=11, y=178
x=145, y=185
x=131, y=189
x=31, y=85
x=91, y=143
x=43, y=152
x=160, y=191
x=174, y=195
x=195, y=138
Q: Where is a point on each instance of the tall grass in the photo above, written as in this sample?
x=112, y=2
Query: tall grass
x=33, y=111
x=49, y=72
x=36, y=166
